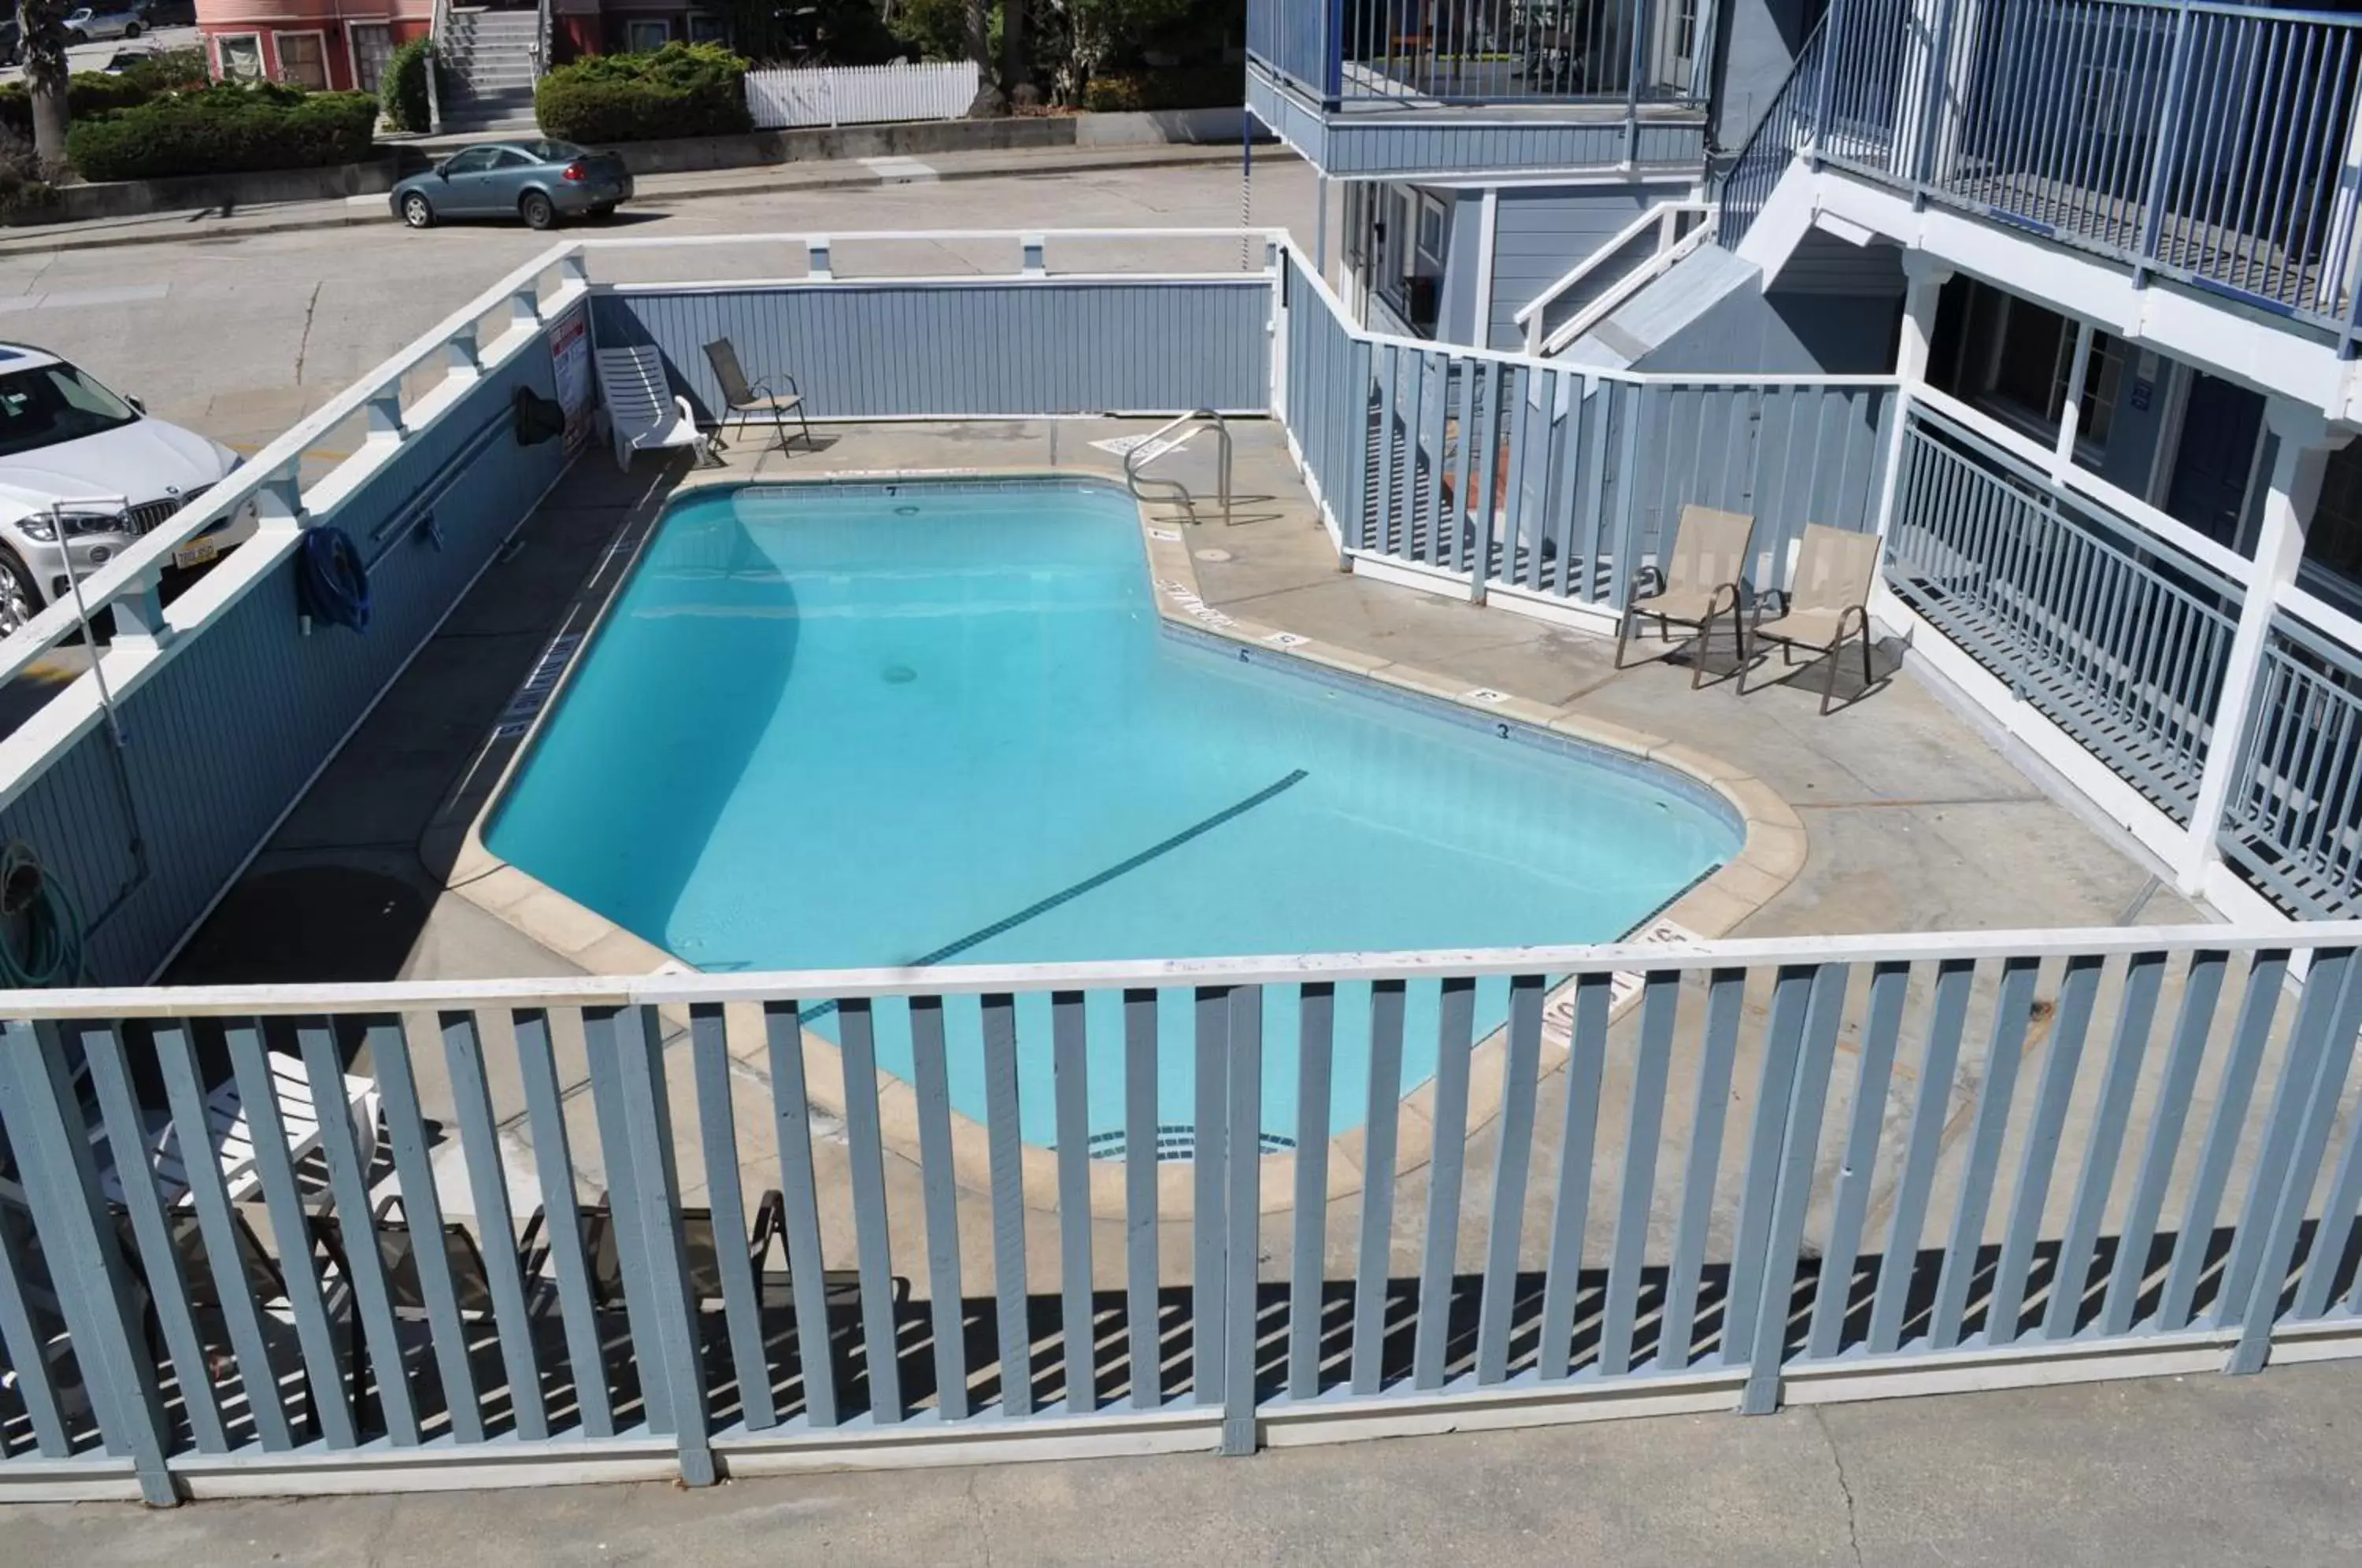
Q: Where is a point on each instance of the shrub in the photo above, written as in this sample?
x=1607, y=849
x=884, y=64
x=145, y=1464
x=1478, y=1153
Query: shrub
x=170, y=71
x=677, y=90
x=1189, y=87
x=25, y=192
x=402, y=93
x=223, y=130
x=89, y=94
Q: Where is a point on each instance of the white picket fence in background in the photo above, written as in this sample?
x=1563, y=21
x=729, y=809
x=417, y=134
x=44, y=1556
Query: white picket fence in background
x=859, y=95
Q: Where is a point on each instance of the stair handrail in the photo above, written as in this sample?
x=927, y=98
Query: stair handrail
x=439, y=23
x=1624, y=288
x=541, y=44
x=1792, y=125
x=1666, y=215
x=1197, y=419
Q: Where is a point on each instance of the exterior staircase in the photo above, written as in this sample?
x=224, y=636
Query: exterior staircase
x=488, y=69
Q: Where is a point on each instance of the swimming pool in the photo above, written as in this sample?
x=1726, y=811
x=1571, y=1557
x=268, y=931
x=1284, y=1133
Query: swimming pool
x=936, y=722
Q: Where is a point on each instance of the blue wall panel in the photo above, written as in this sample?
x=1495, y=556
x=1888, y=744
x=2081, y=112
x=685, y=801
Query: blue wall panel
x=1004, y=350
x=220, y=739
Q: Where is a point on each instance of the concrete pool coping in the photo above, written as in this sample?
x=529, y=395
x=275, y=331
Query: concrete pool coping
x=1771, y=853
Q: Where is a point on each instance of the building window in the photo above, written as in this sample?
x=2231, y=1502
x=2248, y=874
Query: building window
x=302, y=61
x=643, y=34
x=1430, y=230
x=372, y=44
x=2333, y=541
x=704, y=27
x=238, y=57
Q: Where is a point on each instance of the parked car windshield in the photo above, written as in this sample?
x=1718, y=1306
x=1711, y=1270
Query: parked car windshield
x=50, y=403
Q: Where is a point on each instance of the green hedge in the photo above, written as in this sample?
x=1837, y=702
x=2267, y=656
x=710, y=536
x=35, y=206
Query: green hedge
x=89, y=94
x=680, y=90
x=402, y=93
x=223, y=130
x=1187, y=87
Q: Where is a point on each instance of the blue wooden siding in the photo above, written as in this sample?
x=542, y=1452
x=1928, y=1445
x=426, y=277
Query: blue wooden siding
x=224, y=736
x=1453, y=143
x=1538, y=233
x=1007, y=350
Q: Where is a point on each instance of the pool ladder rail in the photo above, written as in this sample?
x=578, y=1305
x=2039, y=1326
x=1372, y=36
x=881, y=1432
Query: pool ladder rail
x=1188, y=424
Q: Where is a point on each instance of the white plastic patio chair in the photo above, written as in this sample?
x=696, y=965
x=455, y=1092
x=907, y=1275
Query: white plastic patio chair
x=644, y=414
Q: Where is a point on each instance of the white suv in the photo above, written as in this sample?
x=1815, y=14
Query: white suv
x=65, y=440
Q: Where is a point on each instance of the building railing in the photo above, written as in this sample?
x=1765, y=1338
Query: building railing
x=2215, y=144
x=1374, y=52
x=2293, y=823
x=1968, y=1154
x=2115, y=637
x=1553, y=483
x=1584, y=295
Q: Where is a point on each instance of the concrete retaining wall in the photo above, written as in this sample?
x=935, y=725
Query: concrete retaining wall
x=136, y=198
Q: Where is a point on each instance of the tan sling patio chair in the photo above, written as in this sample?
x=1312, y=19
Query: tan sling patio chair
x=1827, y=602
x=1696, y=581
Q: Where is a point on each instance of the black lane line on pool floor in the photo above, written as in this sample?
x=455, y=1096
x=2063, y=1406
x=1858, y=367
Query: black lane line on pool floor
x=1100, y=879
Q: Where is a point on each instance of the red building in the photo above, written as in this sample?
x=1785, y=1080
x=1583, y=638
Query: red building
x=319, y=44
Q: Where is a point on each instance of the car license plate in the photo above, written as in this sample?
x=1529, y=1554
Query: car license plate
x=196, y=552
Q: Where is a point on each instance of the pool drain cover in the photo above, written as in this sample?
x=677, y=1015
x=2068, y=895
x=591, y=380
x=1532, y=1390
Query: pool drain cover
x=898, y=675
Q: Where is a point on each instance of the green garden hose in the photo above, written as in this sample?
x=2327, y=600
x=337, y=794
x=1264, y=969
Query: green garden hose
x=40, y=929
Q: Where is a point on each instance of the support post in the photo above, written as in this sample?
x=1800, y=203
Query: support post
x=461, y=356
x=1926, y=278
x=2070, y=416
x=384, y=413
x=2305, y=443
x=78, y=1238
x=140, y=614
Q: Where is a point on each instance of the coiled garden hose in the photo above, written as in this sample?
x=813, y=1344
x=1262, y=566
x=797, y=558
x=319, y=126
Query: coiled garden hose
x=332, y=580
x=40, y=929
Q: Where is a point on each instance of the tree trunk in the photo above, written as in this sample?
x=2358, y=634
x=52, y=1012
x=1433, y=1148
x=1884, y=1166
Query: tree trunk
x=1015, y=80
x=989, y=101
x=43, y=22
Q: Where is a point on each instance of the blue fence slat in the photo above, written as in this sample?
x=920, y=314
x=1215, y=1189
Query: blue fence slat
x=2070, y=1025
x=1726, y=997
x=1243, y=1206
x=2013, y=1011
x=1513, y=1150
x=1813, y=1054
x=709, y=1049
x=371, y=1299
x=1008, y=1204
x=1376, y=1243
x=1946, y=1021
x=791, y=1111
x=1783, y=1035
x=1644, y=1131
x=1140, y=1047
x=209, y=1194
x=159, y=1259
x=1208, y=1282
x=1833, y=1298
x=2135, y=1013
x=1454, y=1040
x=1072, y=1096
x=2193, y=1248
x=930, y=1080
x=1562, y=1273
x=569, y=1266
x=26, y=1342
x=1316, y=1024
x=86, y=1267
x=873, y=1247
x=324, y=1371
x=463, y=1054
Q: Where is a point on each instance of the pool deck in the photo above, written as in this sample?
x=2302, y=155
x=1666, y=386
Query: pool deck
x=1913, y=819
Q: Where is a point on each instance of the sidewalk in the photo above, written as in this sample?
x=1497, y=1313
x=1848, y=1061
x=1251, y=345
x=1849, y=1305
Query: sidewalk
x=2206, y=1469
x=653, y=191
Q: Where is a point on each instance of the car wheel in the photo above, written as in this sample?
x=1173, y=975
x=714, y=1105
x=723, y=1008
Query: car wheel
x=131, y=30
x=538, y=211
x=19, y=601
x=417, y=213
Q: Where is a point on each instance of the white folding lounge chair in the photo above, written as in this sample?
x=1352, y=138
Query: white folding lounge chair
x=643, y=412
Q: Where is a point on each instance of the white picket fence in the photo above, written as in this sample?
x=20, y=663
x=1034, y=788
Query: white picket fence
x=859, y=95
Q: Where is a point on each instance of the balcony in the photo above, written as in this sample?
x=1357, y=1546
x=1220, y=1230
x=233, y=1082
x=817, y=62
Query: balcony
x=2214, y=146
x=1482, y=86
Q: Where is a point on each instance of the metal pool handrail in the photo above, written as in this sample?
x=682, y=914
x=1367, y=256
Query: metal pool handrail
x=1195, y=420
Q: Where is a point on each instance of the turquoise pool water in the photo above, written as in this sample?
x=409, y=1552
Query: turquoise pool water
x=837, y=726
